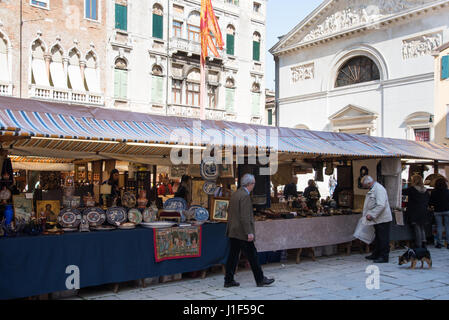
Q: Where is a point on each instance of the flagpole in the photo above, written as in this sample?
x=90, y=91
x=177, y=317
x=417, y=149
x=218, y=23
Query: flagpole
x=203, y=88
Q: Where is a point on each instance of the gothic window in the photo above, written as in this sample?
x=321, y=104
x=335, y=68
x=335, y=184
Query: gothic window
x=39, y=71
x=256, y=46
x=230, y=40
x=158, y=21
x=357, y=70
x=230, y=94
x=58, y=77
x=157, y=85
x=74, y=71
x=92, y=79
x=121, y=79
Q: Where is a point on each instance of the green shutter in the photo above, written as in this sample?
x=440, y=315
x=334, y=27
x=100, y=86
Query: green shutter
x=270, y=117
x=117, y=81
x=230, y=44
x=255, y=104
x=230, y=93
x=157, y=84
x=124, y=84
x=445, y=67
x=121, y=16
x=157, y=26
x=256, y=51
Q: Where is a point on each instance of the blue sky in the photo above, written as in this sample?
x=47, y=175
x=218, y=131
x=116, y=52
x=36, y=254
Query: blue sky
x=283, y=16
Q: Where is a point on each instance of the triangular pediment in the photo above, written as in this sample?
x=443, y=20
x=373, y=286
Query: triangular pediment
x=352, y=112
x=335, y=17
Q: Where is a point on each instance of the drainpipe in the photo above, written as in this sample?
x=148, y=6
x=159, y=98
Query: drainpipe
x=276, y=88
x=168, y=58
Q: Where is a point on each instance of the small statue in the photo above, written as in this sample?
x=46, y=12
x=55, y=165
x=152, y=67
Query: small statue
x=142, y=201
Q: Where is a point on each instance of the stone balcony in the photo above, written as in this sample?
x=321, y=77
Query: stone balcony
x=194, y=112
x=188, y=46
x=65, y=95
x=5, y=88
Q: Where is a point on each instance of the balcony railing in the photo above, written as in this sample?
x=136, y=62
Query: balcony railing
x=65, y=95
x=194, y=112
x=188, y=46
x=5, y=89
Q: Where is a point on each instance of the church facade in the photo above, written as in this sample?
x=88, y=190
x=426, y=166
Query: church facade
x=362, y=67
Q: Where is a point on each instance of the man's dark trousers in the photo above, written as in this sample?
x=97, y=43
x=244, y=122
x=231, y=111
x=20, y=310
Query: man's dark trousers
x=250, y=252
x=382, y=240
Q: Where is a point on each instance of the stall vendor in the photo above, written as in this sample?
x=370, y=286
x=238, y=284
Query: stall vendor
x=290, y=189
x=312, y=194
x=115, y=190
x=183, y=190
x=165, y=188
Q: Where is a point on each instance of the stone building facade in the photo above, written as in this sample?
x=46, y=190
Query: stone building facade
x=134, y=55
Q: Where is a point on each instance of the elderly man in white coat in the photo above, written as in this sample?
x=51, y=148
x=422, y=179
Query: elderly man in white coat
x=377, y=212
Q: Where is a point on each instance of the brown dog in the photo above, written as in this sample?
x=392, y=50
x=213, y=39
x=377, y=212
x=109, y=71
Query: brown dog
x=415, y=255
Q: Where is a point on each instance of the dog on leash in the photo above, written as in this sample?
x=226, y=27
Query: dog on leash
x=415, y=255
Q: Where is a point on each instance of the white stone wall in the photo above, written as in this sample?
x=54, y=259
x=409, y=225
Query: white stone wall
x=406, y=84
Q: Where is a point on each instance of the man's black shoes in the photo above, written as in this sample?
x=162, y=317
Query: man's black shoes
x=231, y=284
x=371, y=257
x=265, y=282
x=380, y=260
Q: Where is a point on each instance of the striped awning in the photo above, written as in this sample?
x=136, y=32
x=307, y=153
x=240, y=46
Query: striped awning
x=92, y=130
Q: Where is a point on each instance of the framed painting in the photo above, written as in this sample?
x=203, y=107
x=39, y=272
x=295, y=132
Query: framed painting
x=199, y=197
x=220, y=209
x=23, y=208
x=227, y=171
x=48, y=208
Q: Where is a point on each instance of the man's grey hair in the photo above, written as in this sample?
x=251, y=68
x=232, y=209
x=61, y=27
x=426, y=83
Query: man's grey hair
x=248, y=179
x=367, y=180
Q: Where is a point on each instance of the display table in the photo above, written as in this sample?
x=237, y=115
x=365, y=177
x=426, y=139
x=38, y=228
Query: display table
x=273, y=235
x=37, y=265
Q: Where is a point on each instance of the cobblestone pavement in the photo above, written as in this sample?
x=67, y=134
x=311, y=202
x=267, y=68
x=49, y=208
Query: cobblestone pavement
x=328, y=278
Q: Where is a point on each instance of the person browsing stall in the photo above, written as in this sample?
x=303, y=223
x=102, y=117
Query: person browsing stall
x=115, y=190
x=377, y=212
x=241, y=233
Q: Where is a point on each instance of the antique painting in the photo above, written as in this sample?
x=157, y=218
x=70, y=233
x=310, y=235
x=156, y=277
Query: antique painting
x=177, y=243
x=23, y=209
x=199, y=197
x=227, y=171
x=360, y=169
x=49, y=209
x=220, y=209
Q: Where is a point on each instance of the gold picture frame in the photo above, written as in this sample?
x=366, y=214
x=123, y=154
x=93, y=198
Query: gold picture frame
x=220, y=209
x=199, y=197
x=54, y=208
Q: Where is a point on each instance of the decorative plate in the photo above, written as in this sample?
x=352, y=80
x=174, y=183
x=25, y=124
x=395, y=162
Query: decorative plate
x=178, y=204
x=95, y=216
x=200, y=213
x=116, y=215
x=134, y=216
x=127, y=226
x=5, y=194
x=129, y=200
x=209, y=188
x=149, y=215
x=69, y=218
x=69, y=229
x=103, y=228
x=158, y=224
x=209, y=169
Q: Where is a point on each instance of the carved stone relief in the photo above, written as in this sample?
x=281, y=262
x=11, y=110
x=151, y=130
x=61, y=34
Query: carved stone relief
x=303, y=72
x=421, y=46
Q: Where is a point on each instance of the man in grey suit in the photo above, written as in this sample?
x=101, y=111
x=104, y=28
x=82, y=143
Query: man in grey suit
x=240, y=230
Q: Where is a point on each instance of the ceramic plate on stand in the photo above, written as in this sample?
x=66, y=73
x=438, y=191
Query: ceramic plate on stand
x=200, y=214
x=149, y=215
x=69, y=218
x=178, y=204
x=209, y=188
x=116, y=215
x=209, y=169
x=95, y=216
x=135, y=216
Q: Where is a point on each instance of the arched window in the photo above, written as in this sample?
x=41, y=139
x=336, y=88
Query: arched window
x=92, y=79
x=256, y=46
x=230, y=94
x=357, y=70
x=39, y=70
x=74, y=71
x=121, y=79
x=157, y=84
x=4, y=63
x=57, y=73
x=230, y=40
x=193, y=27
x=193, y=88
x=158, y=21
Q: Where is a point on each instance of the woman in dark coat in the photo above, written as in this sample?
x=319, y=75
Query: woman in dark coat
x=312, y=194
x=440, y=201
x=417, y=209
x=184, y=189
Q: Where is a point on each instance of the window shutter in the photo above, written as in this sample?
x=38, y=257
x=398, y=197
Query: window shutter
x=88, y=9
x=230, y=99
x=121, y=17
x=158, y=26
x=256, y=51
x=117, y=81
x=157, y=89
x=230, y=44
x=270, y=117
x=94, y=9
x=445, y=67
x=255, y=104
x=124, y=84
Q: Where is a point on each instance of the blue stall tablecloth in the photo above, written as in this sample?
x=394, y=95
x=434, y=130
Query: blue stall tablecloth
x=37, y=265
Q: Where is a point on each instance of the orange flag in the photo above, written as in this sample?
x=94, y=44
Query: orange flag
x=209, y=28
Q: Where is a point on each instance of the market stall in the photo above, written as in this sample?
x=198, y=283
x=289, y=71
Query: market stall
x=109, y=213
